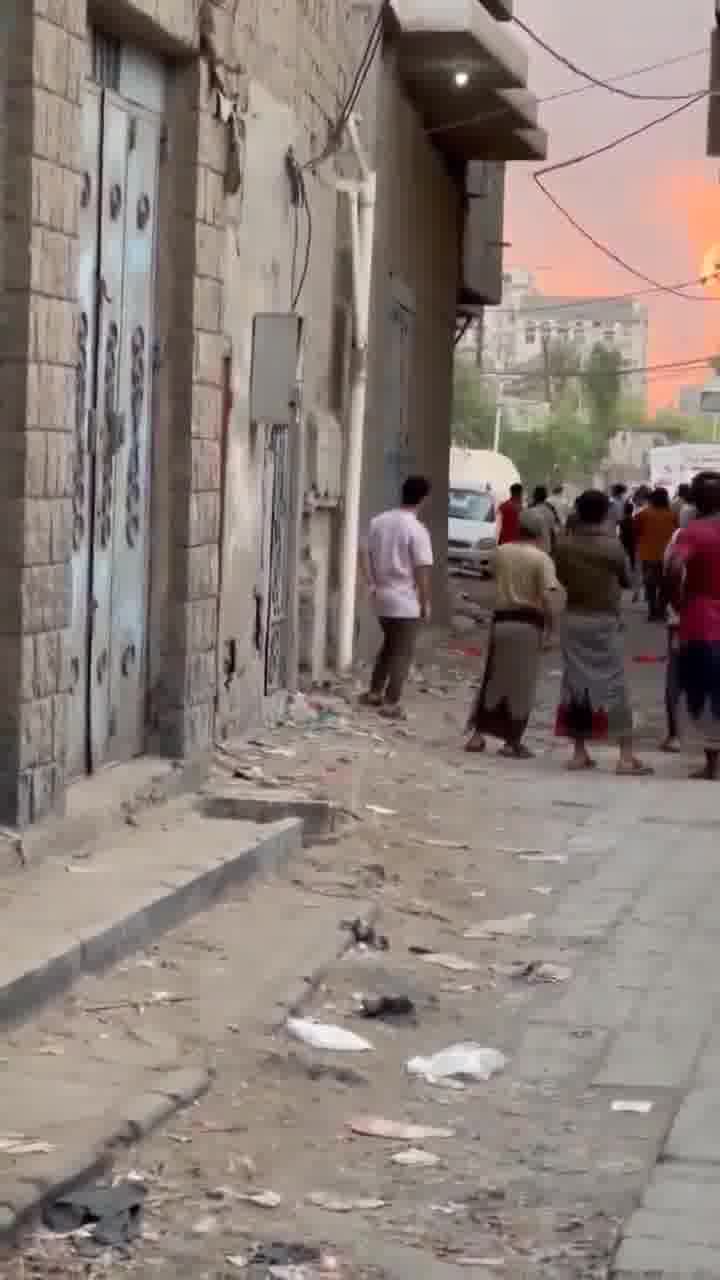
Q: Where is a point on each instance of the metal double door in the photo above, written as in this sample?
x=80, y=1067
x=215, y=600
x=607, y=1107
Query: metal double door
x=111, y=468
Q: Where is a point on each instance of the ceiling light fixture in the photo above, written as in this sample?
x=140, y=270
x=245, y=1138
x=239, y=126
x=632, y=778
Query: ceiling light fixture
x=462, y=79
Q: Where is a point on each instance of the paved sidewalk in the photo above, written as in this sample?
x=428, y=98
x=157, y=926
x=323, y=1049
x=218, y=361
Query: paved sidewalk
x=543, y=1175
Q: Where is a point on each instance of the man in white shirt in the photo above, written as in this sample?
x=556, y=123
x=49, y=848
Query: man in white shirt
x=396, y=563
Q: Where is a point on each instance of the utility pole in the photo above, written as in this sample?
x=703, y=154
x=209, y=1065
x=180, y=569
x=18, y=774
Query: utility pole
x=546, y=369
x=498, y=416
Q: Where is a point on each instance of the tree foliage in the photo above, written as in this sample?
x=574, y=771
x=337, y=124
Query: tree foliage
x=473, y=422
x=571, y=443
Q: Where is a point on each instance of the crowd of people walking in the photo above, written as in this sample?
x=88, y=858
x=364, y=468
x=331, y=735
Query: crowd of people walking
x=577, y=583
x=566, y=571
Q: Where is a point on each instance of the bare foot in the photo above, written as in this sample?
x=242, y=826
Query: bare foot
x=706, y=774
x=671, y=746
x=580, y=763
x=476, y=745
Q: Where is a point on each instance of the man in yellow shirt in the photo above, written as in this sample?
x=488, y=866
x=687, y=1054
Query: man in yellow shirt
x=528, y=595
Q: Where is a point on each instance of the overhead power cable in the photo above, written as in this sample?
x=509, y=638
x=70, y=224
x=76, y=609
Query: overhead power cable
x=596, y=80
x=627, y=75
x=628, y=372
x=481, y=116
x=605, y=249
x=374, y=42
x=589, y=300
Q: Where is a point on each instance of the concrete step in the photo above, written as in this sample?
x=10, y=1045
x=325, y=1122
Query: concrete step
x=66, y=917
x=91, y=1076
x=93, y=803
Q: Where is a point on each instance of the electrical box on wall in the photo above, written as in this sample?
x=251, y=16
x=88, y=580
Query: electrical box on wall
x=276, y=368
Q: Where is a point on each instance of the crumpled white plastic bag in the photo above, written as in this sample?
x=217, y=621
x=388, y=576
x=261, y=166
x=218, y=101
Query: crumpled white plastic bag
x=459, y=1062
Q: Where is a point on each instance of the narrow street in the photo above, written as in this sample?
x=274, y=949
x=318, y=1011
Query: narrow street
x=569, y=923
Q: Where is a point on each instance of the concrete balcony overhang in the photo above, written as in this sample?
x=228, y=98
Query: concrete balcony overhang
x=524, y=144
x=491, y=128
x=434, y=40
x=500, y=9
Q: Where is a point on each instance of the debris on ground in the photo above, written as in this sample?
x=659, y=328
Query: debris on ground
x=448, y=960
x=533, y=971
x=261, y=1199
x=396, y=1130
x=387, y=1007
x=632, y=1107
x=510, y=926
x=320, y=1035
x=364, y=934
x=14, y=1144
x=458, y=1062
x=339, y=1204
x=380, y=811
x=284, y=1255
x=440, y=843
x=114, y=1214
x=206, y=1226
x=416, y=1158
x=559, y=858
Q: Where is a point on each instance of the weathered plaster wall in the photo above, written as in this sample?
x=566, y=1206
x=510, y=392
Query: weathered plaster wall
x=417, y=252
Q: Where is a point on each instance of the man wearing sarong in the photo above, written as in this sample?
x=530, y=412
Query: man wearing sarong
x=528, y=596
x=594, y=703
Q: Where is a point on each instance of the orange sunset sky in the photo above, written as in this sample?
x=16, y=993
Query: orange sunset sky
x=656, y=200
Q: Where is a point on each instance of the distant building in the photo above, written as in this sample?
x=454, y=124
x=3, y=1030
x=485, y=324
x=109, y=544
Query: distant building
x=513, y=334
x=628, y=457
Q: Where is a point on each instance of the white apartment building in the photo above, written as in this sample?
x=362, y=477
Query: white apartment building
x=512, y=334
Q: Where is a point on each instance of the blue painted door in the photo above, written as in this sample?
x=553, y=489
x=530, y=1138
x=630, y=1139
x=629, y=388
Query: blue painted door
x=119, y=197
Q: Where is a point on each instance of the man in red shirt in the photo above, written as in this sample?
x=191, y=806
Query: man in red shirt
x=509, y=514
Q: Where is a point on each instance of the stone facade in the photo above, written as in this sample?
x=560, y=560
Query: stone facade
x=221, y=260
x=228, y=251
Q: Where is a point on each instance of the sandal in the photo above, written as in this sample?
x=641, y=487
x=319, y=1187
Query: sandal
x=393, y=713
x=671, y=747
x=576, y=767
x=370, y=700
x=636, y=770
x=475, y=746
x=520, y=752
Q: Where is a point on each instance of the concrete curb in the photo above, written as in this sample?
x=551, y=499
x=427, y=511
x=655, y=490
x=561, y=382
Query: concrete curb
x=109, y=943
x=24, y=1201
x=320, y=818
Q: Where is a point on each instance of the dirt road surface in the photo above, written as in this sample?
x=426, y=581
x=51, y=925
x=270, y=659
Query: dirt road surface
x=531, y=1173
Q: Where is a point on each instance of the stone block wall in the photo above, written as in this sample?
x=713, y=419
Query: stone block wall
x=42, y=104
x=298, y=53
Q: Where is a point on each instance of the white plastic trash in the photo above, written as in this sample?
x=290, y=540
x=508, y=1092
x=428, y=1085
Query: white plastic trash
x=459, y=1062
x=319, y=1035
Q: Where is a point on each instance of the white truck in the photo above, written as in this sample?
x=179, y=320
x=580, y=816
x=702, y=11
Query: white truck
x=479, y=481
x=674, y=464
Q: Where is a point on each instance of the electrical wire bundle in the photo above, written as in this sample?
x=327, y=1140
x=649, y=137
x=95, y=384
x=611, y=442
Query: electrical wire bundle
x=335, y=133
